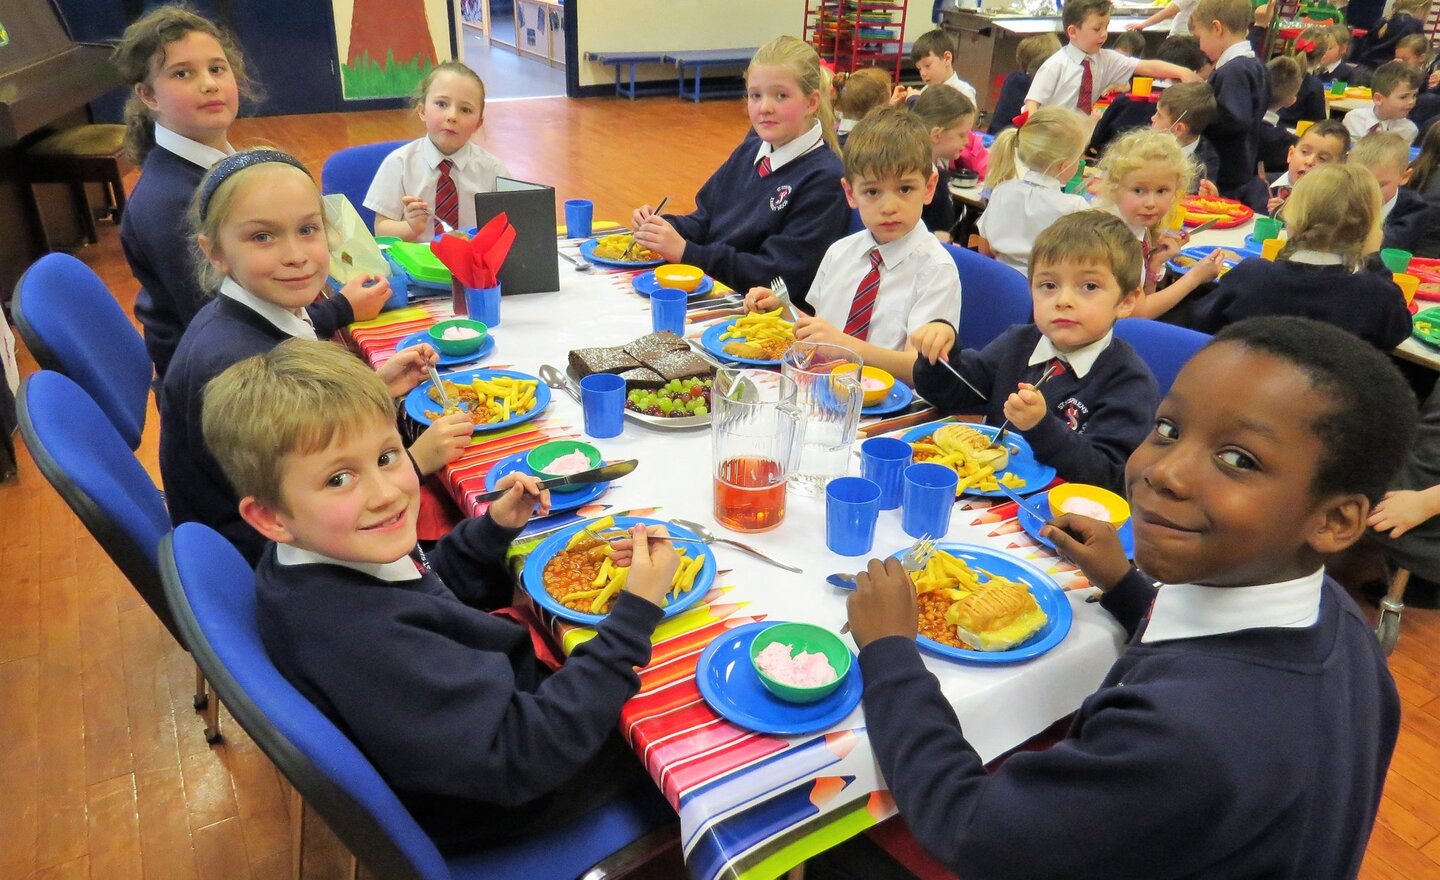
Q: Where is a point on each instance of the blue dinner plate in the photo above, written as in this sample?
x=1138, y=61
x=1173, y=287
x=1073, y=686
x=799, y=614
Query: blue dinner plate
x=645, y=284
x=449, y=360
x=729, y=683
x=1022, y=459
x=710, y=340
x=418, y=400
x=533, y=575
x=1047, y=593
x=1201, y=251
x=560, y=499
x=587, y=250
x=1032, y=525
x=898, y=398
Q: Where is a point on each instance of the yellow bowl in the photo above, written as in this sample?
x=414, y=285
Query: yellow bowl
x=1091, y=501
x=872, y=375
x=679, y=276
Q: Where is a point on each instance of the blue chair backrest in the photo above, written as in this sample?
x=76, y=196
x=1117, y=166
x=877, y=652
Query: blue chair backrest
x=1163, y=347
x=83, y=457
x=993, y=297
x=73, y=325
x=350, y=172
x=856, y=224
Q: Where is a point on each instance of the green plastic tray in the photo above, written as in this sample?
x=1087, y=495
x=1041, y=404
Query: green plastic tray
x=417, y=260
x=1432, y=317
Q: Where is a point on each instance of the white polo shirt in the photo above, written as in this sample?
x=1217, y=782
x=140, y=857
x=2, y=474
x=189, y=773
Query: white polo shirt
x=1019, y=211
x=961, y=86
x=413, y=170
x=1058, y=79
x=191, y=151
x=1191, y=611
x=1360, y=121
x=918, y=284
x=1180, y=24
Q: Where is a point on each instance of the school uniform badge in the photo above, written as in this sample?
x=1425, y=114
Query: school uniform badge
x=781, y=197
x=1074, y=413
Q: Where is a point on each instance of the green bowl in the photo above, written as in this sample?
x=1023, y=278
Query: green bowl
x=802, y=637
x=458, y=346
x=540, y=457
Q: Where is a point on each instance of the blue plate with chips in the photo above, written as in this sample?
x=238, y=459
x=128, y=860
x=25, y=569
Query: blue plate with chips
x=418, y=402
x=587, y=250
x=1022, y=459
x=710, y=340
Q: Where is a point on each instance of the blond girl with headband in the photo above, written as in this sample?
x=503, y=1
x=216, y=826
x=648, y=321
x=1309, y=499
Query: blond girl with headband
x=1310, y=49
x=260, y=230
x=1142, y=173
x=776, y=204
x=1029, y=165
x=1333, y=218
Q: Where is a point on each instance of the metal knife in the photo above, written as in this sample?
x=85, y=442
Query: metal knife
x=1033, y=510
x=595, y=475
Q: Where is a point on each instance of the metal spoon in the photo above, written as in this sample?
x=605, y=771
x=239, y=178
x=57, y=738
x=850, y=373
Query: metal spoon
x=580, y=265
x=553, y=377
x=710, y=537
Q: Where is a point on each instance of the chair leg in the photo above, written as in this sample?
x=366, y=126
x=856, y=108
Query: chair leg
x=1392, y=607
x=81, y=202
x=202, y=690
x=297, y=833
x=212, y=720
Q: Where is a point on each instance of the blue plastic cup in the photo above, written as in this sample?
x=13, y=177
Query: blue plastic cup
x=929, y=498
x=852, y=505
x=399, y=287
x=667, y=310
x=602, y=398
x=579, y=216
x=483, y=304
x=883, y=461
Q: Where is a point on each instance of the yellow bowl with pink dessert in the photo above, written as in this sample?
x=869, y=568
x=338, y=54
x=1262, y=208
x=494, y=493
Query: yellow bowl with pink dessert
x=1091, y=501
x=874, y=382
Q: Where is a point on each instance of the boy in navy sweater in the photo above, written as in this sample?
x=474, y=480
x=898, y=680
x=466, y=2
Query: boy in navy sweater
x=1101, y=398
x=455, y=706
x=1405, y=214
x=1241, y=95
x=1276, y=138
x=1247, y=728
x=1125, y=113
x=1378, y=45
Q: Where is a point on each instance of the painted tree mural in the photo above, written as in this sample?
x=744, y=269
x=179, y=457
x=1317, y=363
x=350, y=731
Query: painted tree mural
x=390, y=48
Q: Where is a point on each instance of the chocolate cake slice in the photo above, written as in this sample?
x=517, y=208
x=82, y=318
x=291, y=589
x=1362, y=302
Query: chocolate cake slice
x=655, y=343
x=641, y=377
x=585, y=361
x=678, y=365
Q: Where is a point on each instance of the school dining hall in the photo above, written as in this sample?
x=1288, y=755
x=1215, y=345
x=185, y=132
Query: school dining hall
x=123, y=754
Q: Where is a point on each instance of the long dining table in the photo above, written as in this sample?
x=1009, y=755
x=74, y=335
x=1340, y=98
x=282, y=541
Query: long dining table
x=751, y=805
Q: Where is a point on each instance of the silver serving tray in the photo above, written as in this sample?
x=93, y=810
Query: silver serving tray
x=659, y=423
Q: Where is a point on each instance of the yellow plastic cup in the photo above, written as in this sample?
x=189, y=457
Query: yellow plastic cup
x=1270, y=248
x=1408, y=284
x=1303, y=126
x=1141, y=86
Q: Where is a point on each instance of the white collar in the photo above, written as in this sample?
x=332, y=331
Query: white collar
x=433, y=156
x=1242, y=49
x=1040, y=179
x=1080, y=360
x=791, y=151
x=1189, y=149
x=193, y=152
x=296, y=323
x=1073, y=52
x=1282, y=180
x=1272, y=117
x=955, y=82
x=402, y=569
x=843, y=125
x=1389, y=206
x=894, y=253
x=1316, y=258
x=1331, y=68
x=1189, y=611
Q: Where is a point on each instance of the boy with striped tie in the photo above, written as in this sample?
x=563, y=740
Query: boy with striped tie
x=889, y=290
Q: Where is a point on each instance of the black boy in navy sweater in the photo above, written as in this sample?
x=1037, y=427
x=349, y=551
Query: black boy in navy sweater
x=1247, y=729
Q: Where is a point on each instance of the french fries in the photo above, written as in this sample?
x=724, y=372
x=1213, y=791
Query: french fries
x=970, y=465
x=759, y=335
x=610, y=579
x=613, y=247
x=490, y=401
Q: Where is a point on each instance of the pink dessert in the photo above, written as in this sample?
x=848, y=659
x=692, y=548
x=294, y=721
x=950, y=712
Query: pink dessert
x=1086, y=507
x=869, y=384
x=569, y=463
x=803, y=670
x=459, y=334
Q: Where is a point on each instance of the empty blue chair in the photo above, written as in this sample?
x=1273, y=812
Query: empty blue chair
x=73, y=325
x=1163, y=347
x=213, y=593
x=350, y=171
x=993, y=297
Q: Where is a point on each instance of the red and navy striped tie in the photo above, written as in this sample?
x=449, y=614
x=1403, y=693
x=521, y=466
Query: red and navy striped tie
x=447, y=203
x=763, y=169
x=858, y=324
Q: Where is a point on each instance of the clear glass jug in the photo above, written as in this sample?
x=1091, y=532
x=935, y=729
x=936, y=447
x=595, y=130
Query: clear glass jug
x=831, y=402
x=756, y=430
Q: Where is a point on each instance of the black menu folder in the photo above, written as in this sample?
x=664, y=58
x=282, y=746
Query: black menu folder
x=534, y=263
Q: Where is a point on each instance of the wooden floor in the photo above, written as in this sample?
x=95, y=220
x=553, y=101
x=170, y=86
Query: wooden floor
x=104, y=773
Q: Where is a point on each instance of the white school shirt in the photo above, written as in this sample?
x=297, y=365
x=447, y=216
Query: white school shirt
x=414, y=169
x=191, y=151
x=791, y=151
x=1021, y=209
x=402, y=569
x=1242, y=49
x=1360, y=120
x=296, y=323
x=1180, y=24
x=961, y=86
x=1191, y=611
x=1081, y=360
x=918, y=284
x=1389, y=206
x=1058, y=79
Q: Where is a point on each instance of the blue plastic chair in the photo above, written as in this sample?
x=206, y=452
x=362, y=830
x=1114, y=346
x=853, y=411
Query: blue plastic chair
x=350, y=172
x=994, y=297
x=73, y=325
x=213, y=593
x=1163, y=347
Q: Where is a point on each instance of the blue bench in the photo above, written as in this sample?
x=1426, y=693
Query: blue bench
x=629, y=59
x=700, y=59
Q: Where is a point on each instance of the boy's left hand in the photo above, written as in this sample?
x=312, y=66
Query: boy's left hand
x=1208, y=189
x=367, y=295
x=408, y=368
x=514, y=509
x=934, y=340
x=659, y=236
x=809, y=328
x=883, y=603
x=1026, y=407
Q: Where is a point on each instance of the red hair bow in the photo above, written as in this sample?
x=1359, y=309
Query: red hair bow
x=1306, y=46
x=1019, y=121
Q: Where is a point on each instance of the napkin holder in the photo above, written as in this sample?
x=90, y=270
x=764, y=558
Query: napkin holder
x=534, y=262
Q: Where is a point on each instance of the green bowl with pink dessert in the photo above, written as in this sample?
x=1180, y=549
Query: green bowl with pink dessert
x=458, y=336
x=561, y=458
x=803, y=641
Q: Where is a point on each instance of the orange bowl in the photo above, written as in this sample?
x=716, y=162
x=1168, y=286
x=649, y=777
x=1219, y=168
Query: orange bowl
x=679, y=276
x=1091, y=501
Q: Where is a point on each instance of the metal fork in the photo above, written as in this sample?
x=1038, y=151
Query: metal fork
x=782, y=293
x=911, y=560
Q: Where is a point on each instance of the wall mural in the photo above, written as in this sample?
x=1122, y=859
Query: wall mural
x=386, y=47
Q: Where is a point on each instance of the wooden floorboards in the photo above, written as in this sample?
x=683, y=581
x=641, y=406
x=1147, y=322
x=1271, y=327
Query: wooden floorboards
x=104, y=771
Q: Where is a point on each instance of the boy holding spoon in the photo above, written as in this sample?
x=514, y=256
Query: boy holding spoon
x=1099, y=398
